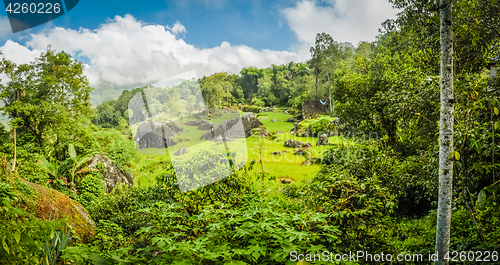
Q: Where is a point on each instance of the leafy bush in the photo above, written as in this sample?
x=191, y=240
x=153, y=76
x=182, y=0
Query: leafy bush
x=320, y=125
x=413, y=180
x=251, y=108
x=360, y=206
x=91, y=187
x=113, y=144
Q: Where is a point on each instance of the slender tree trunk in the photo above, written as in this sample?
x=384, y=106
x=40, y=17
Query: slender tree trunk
x=445, y=135
x=316, y=86
x=15, y=151
x=329, y=90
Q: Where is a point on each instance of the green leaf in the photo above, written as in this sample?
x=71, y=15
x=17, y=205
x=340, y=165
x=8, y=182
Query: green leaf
x=457, y=155
x=5, y=246
x=497, y=125
x=17, y=236
x=71, y=150
x=495, y=110
x=492, y=189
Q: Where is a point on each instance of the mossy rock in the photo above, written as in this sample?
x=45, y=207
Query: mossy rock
x=48, y=203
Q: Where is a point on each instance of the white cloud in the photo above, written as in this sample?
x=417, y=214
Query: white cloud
x=178, y=28
x=17, y=53
x=345, y=20
x=127, y=52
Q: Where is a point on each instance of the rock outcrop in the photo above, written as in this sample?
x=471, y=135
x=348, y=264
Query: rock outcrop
x=238, y=127
x=152, y=134
x=322, y=140
x=112, y=174
x=46, y=202
x=296, y=144
x=206, y=126
x=181, y=151
x=195, y=123
x=250, y=122
x=267, y=109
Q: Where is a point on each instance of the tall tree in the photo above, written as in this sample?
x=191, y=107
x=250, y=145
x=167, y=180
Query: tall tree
x=51, y=99
x=445, y=134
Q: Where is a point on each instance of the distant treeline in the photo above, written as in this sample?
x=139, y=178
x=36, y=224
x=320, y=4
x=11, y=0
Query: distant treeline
x=285, y=85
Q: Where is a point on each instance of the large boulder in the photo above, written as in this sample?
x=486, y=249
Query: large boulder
x=152, y=134
x=195, y=123
x=232, y=129
x=267, y=109
x=250, y=122
x=46, y=202
x=296, y=144
x=206, y=126
x=181, y=151
x=112, y=174
x=322, y=140
x=238, y=127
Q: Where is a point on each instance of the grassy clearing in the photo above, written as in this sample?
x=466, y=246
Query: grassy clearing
x=278, y=125
x=150, y=161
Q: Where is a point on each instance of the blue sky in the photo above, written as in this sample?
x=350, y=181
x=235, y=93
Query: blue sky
x=131, y=43
x=254, y=23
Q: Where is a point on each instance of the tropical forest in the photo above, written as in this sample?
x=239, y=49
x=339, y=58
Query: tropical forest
x=383, y=152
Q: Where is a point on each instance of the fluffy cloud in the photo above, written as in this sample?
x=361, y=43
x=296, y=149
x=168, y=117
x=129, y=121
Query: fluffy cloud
x=127, y=52
x=178, y=28
x=345, y=20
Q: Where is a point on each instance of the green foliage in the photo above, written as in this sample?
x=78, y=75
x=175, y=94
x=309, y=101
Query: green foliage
x=320, y=125
x=251, y=108
x=50, y=119
x=55, y=243
x=91, y=187
x=23, y=237
x=112, y=143
x=361, y=206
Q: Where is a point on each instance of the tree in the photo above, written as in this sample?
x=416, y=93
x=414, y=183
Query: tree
x=445, y=134
x=51, y=97
x=328, y=54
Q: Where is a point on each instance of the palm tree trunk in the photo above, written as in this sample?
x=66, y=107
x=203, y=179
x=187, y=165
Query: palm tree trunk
x=445, y=135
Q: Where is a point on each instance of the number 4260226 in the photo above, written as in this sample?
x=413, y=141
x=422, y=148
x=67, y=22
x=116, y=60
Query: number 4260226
x=34, y=8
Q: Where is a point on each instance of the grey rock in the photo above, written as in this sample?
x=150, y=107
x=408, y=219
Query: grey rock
x=267, y=109
x=152, y=134
x=322, y=140
x=112, y=174
x=273, y=120
x=195, y=123
x=259, y=131
x=296, y=144
x=234, y=128
x=300, y=151
x=278, y=153
x=206, y=126
x=290, y=120
x=181, y=151
x=287, y=181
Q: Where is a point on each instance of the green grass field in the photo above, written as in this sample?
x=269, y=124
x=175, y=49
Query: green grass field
x=284, y=166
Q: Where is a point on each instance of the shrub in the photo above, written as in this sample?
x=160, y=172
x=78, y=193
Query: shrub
x=320, y=125
x=251, y=108
x=113, y=144
x=91, y=187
